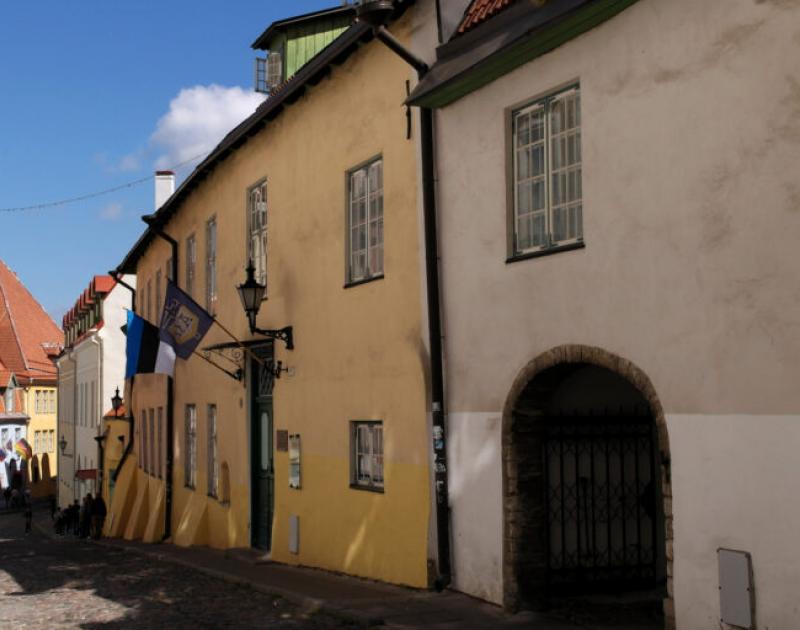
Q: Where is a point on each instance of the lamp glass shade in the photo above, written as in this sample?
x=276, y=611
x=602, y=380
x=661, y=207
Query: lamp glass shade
x=63, y=444
x=116, y=401
x=251, y=292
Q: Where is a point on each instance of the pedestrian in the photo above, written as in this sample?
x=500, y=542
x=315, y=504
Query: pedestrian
x=98, y=516
x=28, y=518
x=86, y=516
x=74, y=517
x=7, y=496
x=53, y=507
x=15, y=498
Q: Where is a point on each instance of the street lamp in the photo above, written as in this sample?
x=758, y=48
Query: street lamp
x=251, y=292
x=116, y=402
x=63, y=443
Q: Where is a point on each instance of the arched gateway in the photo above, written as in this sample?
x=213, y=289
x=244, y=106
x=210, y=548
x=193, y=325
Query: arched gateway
x=586, y=481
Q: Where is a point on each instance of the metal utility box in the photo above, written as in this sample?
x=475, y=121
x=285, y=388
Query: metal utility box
x=736, y=591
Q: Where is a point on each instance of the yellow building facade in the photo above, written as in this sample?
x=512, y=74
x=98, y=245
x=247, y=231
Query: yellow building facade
x=41, y=404
x=348, y=414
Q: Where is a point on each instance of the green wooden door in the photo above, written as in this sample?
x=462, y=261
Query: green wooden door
x=263, y=470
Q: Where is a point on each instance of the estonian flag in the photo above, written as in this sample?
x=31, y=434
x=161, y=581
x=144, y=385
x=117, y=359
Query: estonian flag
x=146, y=351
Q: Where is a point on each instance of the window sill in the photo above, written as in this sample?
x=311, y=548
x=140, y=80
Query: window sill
x=376, y=489
x=356, y=283
x=546, y=252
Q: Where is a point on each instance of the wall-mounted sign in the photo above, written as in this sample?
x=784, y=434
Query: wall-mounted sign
x=282, y=440
x=294, y=461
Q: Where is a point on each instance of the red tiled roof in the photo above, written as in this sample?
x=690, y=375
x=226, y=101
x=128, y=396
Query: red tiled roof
x=99, y=287
x=110, y=415
x=27, y=333
x=480, y=11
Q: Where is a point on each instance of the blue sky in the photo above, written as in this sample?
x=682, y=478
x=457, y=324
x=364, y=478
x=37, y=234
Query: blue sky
x=98, y=93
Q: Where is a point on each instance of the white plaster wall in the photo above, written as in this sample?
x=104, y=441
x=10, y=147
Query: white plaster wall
x=87, y=354
x=66, y=417
x=474, y=458
x=114, y=317
x=735, y=481
x=691, y=128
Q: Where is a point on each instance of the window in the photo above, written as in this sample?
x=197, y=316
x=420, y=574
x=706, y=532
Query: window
x=51, y=442
x=9, y=396
x=211, y=265
x=160, y=452
x=145, y=443
x=36, y=441
x=257, y=230
x=52, y=401
x=367, y=454
x=93, y=405
x=213, y=475
x=152, y=443
x=190, y=447
x=365, y=222
x=191, y=259
x=3, y=438
x=17, y=434
x=37, y=405
x=159, y=296
x=547, y=190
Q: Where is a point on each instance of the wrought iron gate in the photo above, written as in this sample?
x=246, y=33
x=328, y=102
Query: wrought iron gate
x=601, y=503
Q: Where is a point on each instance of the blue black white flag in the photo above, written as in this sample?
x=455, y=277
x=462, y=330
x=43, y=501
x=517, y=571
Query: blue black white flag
x=146, y=351
x=184, y=322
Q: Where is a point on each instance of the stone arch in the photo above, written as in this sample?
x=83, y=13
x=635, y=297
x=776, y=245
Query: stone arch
x=514, y=528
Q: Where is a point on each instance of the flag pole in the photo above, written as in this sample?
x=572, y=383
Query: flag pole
x=241, y=345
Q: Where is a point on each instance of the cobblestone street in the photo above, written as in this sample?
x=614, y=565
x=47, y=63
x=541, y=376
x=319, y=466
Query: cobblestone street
x=67, y=583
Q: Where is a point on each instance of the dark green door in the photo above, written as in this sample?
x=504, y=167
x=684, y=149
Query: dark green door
x=263, y=474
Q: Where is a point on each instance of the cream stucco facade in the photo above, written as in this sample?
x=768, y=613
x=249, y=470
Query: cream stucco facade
x=690, y=130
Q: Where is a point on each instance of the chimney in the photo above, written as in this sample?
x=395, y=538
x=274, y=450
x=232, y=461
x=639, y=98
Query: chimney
x=165, y=186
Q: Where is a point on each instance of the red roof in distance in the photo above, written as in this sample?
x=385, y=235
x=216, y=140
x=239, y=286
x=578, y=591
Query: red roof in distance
x=27, y=333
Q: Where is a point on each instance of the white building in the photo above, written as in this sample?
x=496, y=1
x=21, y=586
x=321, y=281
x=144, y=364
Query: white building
x=90, y=370
x=13, y=427
x=619, y=217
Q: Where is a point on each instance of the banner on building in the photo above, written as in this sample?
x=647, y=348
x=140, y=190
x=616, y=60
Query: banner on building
x=145, y=350
x=23, y=449
x=184, y=322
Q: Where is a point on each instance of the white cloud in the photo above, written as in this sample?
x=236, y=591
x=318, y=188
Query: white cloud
x=111, y=212
x=198, y=118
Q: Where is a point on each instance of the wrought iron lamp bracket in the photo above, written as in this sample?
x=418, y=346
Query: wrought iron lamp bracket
x=283, y=334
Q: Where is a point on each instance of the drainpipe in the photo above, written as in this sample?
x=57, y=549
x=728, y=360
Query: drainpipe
x=114, y=273
x=99, y=390
x=439, y=437
x=156, y=229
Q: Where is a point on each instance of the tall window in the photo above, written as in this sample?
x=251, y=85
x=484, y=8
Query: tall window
x=548, y=196
x=160, y=452
x=257, y=230
x=51, y=443
x=159, y=297
x=211, y=265
x=151, y=445
x=191, y=259
x=190, y=447
x=367, y=454
x=145, y=443
x=93, y=405
x=149, y=298
x=213, y=473
x=365, y=222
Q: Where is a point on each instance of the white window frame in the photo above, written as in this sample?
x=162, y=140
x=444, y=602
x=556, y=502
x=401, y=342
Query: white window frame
x=365, y=254
x=257, y=229
x=211, y=265
x=190, y=447
x=367, y=467
x=213, y=456
x=550, y=198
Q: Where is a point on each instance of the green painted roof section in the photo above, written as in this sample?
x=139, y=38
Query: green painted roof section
x=518, y=53
x=305, y=41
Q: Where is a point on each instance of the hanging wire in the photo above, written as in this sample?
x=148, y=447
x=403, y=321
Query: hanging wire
x=100, y=193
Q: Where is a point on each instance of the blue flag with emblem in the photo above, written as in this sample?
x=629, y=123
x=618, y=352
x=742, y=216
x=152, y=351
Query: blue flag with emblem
x=184, y=322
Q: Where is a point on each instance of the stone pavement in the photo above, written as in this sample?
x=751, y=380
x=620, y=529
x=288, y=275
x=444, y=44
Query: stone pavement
x=339, y=599
x=61, y=582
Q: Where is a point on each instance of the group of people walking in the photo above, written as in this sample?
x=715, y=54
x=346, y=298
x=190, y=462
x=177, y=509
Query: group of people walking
x=83, y=520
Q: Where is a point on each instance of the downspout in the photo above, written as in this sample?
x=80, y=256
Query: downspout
x=99, y=390
x=151, y=224
x=439, y=425
x=114, y=273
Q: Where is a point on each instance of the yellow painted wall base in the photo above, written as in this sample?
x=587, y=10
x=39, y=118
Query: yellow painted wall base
x=137, y=521
x=192, y=528
x=154, y=531
x=122, y=502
